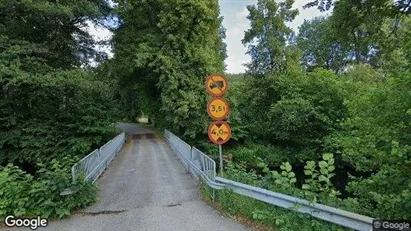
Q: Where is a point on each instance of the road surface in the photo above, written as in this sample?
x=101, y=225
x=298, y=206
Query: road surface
x=147, y=188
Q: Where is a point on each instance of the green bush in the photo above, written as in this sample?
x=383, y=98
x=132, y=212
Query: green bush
x=251, y=153
x=51, y=116
x=21, y=194
x=278, y=218
x=375, y=138
x=310, y=108
x=294, y=111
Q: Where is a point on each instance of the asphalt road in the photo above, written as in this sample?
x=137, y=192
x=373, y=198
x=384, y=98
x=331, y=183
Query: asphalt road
x=147, y=188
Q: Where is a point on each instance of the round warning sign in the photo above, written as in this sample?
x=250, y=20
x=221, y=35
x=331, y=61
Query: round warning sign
x=218, y=108
x=216, y=85
x=219, y=132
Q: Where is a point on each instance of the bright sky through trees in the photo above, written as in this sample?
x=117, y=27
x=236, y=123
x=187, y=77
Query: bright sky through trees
x=235, y=22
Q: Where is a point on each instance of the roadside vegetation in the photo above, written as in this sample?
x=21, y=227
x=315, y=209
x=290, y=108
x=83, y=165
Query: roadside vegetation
x=324, y=114
x=54, y=109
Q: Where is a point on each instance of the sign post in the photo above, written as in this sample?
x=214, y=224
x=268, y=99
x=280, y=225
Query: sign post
x=219, y=132
x=220, y=148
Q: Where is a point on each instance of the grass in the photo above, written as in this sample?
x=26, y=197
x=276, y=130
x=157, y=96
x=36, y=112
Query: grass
x=263, y=216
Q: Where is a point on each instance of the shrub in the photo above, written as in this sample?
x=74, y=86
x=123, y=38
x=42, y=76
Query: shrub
x=278, y=218
x=25, y=195
x=273, y=156
x=375, y=138
x=51, y=116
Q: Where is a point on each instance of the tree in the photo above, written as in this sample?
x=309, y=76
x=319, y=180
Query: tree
x=52, y=32
x=166, y=56
x=366, y=29
x=320, y=47
x=42, y=87
x=395, y=46
x=375, y=139
x=268, y=36
x=222, y=34
x=357, y=27
x=397, y=7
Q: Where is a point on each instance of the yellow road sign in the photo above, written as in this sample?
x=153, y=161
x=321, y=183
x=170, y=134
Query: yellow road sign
x=218, y=108
x=216, y=85
x=219, y=132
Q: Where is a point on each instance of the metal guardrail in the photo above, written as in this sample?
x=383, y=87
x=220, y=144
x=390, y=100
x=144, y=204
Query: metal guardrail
x=180, y=147
x=200, y=165
x=196, y=162
x=93, y=165
x=323, y=212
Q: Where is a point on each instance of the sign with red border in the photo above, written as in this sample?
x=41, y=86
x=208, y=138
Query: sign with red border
x=219, y=132
x=216, y=85
x=218, y=108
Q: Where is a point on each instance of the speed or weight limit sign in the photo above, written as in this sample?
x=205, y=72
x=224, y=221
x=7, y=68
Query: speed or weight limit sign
x=218, y=108
x=216, y=85
x=219, y=132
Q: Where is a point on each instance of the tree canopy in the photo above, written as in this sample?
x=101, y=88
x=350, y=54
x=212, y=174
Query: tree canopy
x=339, y=89
x=53, y=111
x=328, y=107
x=267, y=38
x=164, y=59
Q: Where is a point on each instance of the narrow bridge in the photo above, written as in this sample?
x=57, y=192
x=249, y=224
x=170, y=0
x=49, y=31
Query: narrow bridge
x=147, y=188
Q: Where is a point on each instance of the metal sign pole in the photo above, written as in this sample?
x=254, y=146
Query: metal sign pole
x=221, y=159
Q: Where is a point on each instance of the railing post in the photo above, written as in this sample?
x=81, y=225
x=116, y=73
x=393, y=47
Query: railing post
x=73, y=173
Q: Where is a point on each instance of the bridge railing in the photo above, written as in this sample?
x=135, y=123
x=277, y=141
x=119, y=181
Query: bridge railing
x=94, y=164
x=201, y=166
x=196, y=162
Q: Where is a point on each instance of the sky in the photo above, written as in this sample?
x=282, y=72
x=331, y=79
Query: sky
x=236, y=23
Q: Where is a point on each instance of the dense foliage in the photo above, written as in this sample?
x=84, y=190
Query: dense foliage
x=52, y=115
x=323, y=114
x=25, y=195
x=53, y=112
x=161, y=60
x=336, y=129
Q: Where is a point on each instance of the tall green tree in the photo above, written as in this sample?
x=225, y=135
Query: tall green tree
x=268, y=36
x=49, y=107
x=52, y=31
x=166, y=56
x=394, y=7
x=357, y=27
x=267, y=41
x=395, y=52
x=375, y=138
x=367, y=29
x=320, y=47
